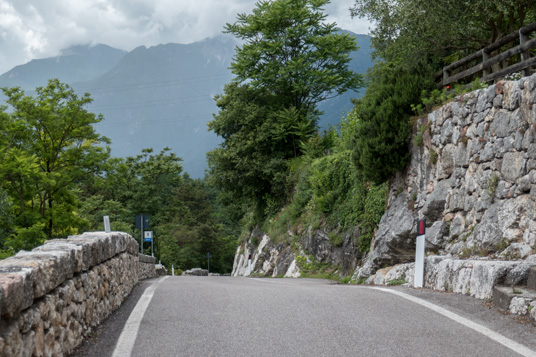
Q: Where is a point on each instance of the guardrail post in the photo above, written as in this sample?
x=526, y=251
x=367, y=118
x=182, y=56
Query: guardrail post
x=525, y=54
x=485, y=57
x=445, y=76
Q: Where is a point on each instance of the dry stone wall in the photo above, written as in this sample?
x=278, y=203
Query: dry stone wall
x=53, y=296
x=473, y=180
x=146, y=267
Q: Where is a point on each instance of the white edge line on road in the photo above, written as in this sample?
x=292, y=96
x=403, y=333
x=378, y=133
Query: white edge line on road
x=126, y=341
x=270, y=280
x=505, y=341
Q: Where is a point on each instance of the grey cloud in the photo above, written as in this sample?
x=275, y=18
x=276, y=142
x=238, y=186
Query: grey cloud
x=35, y=29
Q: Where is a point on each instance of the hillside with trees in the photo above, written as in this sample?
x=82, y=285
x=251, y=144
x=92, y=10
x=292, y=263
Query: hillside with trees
x=57, y=179
x=336, y=181
x=276, y=170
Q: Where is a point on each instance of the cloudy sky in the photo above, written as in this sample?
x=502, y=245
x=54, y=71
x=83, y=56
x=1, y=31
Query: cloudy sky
x=32, y=29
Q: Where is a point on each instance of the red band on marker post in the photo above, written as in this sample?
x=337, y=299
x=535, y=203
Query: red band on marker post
x=421, y=227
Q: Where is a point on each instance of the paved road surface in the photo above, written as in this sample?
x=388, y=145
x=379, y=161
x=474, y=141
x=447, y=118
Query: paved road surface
x=224, y=316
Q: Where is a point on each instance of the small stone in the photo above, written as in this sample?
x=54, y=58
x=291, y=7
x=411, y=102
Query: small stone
x=519, y=306
x=39, y=340
x=525, y=184
x=512, y=167
x=498, y=101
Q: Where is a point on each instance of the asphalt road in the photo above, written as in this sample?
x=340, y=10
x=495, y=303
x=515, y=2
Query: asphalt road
x=224, y=316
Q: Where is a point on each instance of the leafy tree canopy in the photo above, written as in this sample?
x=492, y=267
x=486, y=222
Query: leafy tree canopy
x=440, y=31
x=293, y=53
x=291, y=59
x=48, y=145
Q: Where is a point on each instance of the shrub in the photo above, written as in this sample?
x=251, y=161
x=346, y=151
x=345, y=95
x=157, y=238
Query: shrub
x=382, y=118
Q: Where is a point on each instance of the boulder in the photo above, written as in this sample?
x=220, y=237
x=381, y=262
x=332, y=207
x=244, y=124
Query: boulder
x=395, y=239
x=195, y=272
x=435, y=202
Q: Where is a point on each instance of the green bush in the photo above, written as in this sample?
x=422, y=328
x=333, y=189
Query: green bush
x=383, y=129
x=330, y=192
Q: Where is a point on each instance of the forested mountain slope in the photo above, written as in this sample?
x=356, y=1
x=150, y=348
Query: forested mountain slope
x=160, y=96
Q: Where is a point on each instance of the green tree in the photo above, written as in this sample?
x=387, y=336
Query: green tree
x=291, y=60
x=251, y=161
x=293, y=53
x=440, y=31
x=381, y=119
x=142, y=184
x=194, y=230
x=153, y=177
x=6, y=224
x=49, y=146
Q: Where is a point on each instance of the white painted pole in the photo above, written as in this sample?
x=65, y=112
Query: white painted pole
x=419, y=262
x=107, y=228
x=141, y=240
x=249, y=266
x=172, y=270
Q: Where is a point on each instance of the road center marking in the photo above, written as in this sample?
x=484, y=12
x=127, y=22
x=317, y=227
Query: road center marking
x=505, y=341
x=126, y=341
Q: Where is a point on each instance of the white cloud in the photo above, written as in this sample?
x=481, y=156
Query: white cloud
x=32, y=29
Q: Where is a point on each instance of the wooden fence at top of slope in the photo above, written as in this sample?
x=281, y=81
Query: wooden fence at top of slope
x=488, y=65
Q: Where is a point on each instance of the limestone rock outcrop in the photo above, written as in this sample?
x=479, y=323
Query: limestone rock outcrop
x=473, y=181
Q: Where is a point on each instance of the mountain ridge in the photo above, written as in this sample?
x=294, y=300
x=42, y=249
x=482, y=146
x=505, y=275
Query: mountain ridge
x=159, y=96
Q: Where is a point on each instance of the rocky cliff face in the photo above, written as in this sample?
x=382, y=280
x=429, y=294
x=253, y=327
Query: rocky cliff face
x=271, y=259
x=473, y=180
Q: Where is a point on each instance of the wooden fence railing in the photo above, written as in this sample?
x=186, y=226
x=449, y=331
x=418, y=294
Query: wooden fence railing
x=525, y=44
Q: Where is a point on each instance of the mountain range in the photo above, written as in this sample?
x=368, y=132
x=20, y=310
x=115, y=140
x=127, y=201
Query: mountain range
x=160, y=96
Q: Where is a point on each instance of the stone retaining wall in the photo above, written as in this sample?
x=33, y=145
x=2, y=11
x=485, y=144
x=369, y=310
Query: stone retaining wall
x=473, y=179
x=53, y=296
x=146, y=267
x=474, y=277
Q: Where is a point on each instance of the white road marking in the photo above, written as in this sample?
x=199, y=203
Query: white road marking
x=270, y=280
x=505, y=341
x=126, y=341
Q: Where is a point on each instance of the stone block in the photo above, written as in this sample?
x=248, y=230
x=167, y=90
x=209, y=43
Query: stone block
x=503, y=124
x=60, y=245
x=436, y=201
x=51, y=268
x=514, y=299
x=512, y=95
x=16, y=284
x=512, y=166
x=502, y=295
x=472, y=277
x=147, y=259
x=531, y=278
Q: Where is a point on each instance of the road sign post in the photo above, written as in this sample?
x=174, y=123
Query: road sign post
x=419, y=254
x=142, y=222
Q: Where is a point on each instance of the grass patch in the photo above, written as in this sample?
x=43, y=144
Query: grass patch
x=396, y=282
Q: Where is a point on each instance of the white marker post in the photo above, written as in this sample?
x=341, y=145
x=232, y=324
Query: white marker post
x=107, y=227
x=172, y=270
x=249, y=265
x=419, y=254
